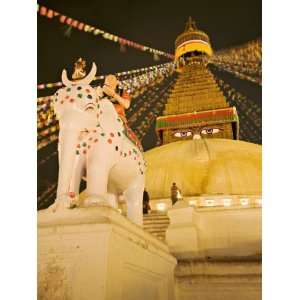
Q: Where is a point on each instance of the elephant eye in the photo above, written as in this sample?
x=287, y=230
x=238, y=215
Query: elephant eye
x=210, y=130
x=181, y=134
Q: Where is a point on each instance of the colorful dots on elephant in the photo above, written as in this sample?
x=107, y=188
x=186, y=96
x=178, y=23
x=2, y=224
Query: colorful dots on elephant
x=79, y=88
x=79, y=95
x=111, y=134
x=109, y=141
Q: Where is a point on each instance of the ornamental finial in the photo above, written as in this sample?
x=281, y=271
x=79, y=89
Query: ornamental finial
x=190, y=25
x=79, y=69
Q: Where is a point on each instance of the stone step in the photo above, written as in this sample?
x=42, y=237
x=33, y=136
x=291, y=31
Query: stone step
x=156, y=224
x=156, y=228
x=155, y=216
x=156, y=221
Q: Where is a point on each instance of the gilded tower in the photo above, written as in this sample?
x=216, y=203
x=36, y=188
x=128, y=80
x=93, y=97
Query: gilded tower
x=196, y=107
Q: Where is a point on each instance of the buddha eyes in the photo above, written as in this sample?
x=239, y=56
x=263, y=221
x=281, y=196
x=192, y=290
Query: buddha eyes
x=203, y=131
x=210, y=130
x=183, y=133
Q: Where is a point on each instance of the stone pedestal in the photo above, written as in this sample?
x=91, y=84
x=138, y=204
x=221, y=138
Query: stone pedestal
x=95, y=253
x=218, y=251
x=182, y=235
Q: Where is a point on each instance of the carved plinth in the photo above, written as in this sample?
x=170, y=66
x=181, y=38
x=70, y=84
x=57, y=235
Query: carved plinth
x=95, y=253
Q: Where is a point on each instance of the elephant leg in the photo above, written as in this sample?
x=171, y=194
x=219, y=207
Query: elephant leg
x=97, y=177
x=78, y=173
x=112, y=200
x=64, y=200
x=134, y=200
x=66, y=149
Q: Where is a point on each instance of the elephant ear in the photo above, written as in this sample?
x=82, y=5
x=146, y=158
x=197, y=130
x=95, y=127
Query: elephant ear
x=57, y=105
x=109, y=119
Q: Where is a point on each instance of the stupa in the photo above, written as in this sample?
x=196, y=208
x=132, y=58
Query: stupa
x=215, y=229
x=196, y=106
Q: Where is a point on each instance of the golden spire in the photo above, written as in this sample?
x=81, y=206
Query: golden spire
x=191, y=40
x=79, y=69
x=190, y=25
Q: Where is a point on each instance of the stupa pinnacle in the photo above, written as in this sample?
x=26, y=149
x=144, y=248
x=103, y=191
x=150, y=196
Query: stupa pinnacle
x=191, y=40
x=196, y=107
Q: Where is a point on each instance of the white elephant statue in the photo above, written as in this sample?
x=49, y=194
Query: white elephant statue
x=92, y=140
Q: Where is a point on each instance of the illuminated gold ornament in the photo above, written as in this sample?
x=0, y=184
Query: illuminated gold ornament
x=192, y=39
x=79, y=69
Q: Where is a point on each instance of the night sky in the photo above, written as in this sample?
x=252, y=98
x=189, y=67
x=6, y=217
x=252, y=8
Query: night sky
x=154, y=23
x=151, y=23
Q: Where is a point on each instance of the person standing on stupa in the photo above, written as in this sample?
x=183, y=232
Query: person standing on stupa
x=175, y=193
x=146, y=199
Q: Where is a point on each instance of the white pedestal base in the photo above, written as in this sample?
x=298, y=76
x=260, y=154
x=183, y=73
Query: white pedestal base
x=95, y=253
x=198, y=280
x=218, y=251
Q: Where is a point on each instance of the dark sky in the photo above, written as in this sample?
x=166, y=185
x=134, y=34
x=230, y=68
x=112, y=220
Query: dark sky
x=152, y=23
